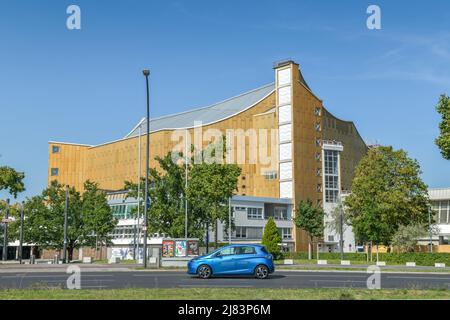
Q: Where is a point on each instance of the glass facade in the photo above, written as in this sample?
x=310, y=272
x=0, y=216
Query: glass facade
x=442, y=209
x=331, y=175
x=122, y=211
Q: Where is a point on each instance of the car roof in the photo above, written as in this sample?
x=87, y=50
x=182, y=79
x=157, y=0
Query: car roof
x=243, y=245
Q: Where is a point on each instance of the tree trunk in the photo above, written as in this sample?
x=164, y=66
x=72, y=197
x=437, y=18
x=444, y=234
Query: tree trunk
x=207, y=238
x=216, y=237
x=96, y=247
x=70, y=252
x=310, y=249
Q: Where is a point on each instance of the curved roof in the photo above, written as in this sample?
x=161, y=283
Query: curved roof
x=207, y=115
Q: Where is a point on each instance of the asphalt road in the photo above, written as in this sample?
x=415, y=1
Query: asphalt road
x=176, y=279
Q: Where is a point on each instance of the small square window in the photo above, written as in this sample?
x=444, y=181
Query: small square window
x=55, y=149
x=317, y=111
x=318, y=142
x=54, y=172
x=318, y=127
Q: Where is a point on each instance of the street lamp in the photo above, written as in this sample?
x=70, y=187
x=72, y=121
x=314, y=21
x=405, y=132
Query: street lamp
x=147, y=164
x=22, y=215
x=66, y=209
x=5, y=232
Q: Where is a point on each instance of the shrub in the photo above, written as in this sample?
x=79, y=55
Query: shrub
x=271, y=238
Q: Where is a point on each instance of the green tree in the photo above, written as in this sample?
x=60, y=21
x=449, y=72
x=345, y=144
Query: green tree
x=271, y=238
x=387, y=192
x=210, y=187
x=98, y=218
x=11, y=180
x=44, y=218
x=167, y=195
x=407, y=237
x=443, y=140
x=310, y=219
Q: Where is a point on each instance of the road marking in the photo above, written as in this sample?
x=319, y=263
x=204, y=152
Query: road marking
x=214, y=286
x=330, y=280
x=428, y=278
x=324, y=275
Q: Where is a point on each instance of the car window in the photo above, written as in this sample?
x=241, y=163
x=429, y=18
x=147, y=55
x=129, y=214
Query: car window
x=245, y=250
x=226, y=251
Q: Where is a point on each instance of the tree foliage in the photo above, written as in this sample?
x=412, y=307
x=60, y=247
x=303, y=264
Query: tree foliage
x=387, y=192
x=406, y=237
x=86, y=215
x=11, y=180
x=337, y=213
x=97, y=216
x=310, y=219
x=443, y=140
x=167, y=195
x=210, y=188
x=271, y=238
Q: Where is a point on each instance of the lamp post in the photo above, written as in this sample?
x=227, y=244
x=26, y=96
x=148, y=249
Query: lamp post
x=430, y=229
x=22, y=214
x=66, y=209
x=147, y=163
x=5, y=232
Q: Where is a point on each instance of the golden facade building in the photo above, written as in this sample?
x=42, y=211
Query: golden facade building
x=288, y=145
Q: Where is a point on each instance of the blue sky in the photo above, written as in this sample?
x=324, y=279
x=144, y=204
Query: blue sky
x=86, y=85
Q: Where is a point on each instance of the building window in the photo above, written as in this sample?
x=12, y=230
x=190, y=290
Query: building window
x=331, y=173
x=285, y=233
x=271, y=175
x=319, y=203
x=123, y=232
x=318, y=156
x=319, y=187
x=318, y=142
x=442, y=210
x=317, y=111
x=122, y=211
x=249, y=233
x=280, y=213
x=318, y=126
x=54, y=172
x=55, y=149
x=318, y=172
x=241, y=233
x=254, y=213
x=330, y=238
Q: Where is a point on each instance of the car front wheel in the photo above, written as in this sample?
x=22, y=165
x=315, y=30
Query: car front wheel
x=261, y=272
x=204, y=271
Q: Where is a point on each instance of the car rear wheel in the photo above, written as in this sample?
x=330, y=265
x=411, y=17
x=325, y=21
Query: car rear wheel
x=261, y=272
x=204, y=271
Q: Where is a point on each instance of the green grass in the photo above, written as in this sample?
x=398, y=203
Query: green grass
x=222, y=294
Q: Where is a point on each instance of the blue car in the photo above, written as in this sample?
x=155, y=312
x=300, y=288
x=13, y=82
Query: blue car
x=237, y=259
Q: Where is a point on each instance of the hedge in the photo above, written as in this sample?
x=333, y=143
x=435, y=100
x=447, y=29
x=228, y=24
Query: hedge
x=420, y=258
